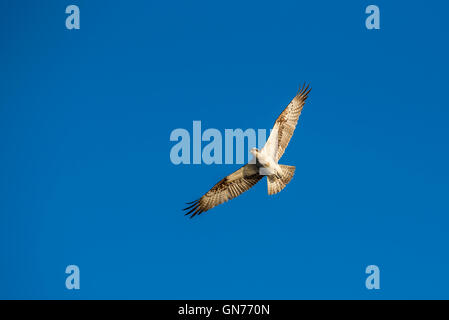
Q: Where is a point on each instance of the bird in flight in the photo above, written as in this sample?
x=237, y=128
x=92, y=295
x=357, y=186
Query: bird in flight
x=265, y=162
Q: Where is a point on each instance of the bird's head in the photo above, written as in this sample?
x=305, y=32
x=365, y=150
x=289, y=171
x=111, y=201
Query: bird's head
x=254, y=151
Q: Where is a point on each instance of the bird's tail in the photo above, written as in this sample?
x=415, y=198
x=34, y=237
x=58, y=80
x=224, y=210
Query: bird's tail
x=276, y=184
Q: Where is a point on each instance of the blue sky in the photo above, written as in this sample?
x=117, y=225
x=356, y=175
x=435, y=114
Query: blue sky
x=85, y=171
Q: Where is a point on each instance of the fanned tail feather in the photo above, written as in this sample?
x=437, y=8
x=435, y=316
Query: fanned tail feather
x=276, y=184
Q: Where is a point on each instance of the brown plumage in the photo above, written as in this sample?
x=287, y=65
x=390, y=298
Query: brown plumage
x=286, y=122
x=226, y=189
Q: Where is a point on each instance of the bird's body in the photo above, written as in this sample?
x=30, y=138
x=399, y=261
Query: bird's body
x=265, y=162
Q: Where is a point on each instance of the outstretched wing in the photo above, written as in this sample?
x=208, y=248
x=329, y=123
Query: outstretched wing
x=285, y=125
x=228, y=188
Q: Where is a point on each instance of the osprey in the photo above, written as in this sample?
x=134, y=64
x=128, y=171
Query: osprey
x=265, y=164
